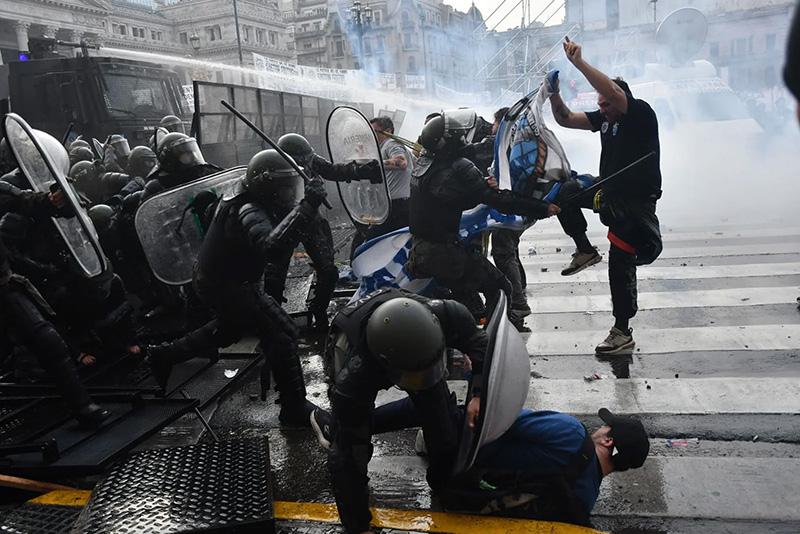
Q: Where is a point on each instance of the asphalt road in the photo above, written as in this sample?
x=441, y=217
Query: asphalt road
x=714, y=377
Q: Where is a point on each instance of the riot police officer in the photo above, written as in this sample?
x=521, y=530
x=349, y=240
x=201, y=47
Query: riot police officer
x=392, y=338
x=443, y=185
x=248, y=230
x=317, y=239
x=171, y=123
x=179, y=161
x=26, y=315
x=141, y=162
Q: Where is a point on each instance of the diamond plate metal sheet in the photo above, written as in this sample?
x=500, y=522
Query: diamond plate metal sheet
x=38, y=519
x=208, y=487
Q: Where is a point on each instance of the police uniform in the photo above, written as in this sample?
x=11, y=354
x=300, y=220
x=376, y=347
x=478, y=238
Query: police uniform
x=356, y=384
x=442, y=187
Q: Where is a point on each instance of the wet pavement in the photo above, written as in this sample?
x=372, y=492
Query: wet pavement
x=714, y=378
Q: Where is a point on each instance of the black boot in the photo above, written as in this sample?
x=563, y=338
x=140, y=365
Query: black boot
x=160, y=364
x=92, y=416
x=295, y=409
x=53, y=356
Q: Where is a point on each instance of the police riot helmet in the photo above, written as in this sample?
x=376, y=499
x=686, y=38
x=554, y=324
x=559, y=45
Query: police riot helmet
x=272, y=180
x=447, y=129
x=296, y=146
x=171, y=123
x=80, y=153
x=101, y=216
x=80, y=142
x=141, y=161
x=113, y=182
x=407, y=339
x=178, y=151
x=85, y=176
x=120, y=145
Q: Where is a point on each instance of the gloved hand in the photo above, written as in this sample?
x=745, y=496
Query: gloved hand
x=315, y=192
x=370, y=171
x=552, y=82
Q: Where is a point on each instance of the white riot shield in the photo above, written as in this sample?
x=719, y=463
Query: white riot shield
x=169, y=232
x=504, y=384
x=350, y=138
x=44, y=161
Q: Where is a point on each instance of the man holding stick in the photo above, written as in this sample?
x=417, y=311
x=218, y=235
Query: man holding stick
x=627, y=204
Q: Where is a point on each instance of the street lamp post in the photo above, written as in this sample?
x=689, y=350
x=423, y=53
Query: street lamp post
x=238, y=35
x=424, y=51
x=360, y=20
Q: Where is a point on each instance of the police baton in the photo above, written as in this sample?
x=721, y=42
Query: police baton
x=271, y=143
x=595, y=186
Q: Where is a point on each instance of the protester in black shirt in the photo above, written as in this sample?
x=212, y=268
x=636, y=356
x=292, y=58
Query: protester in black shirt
x=627, y=204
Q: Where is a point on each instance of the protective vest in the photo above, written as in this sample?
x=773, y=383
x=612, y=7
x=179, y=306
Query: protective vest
x=352, y=319
x=430, y=217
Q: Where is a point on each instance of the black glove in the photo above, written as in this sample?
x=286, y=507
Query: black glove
x=370, y=171
x=315, y=192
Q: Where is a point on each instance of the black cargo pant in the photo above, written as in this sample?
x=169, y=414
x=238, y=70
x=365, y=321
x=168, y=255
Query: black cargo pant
x=246, y=309
x=621, y=255
x=462, y=270
x=25, y=318
x=505, y=253
x=318, y=243
x=353, y=402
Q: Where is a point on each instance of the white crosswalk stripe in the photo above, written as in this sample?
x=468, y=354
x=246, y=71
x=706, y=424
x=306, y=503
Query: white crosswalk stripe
x=747, y=315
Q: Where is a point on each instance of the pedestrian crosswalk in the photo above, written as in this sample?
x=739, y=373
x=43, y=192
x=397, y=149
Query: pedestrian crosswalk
x=716, y=358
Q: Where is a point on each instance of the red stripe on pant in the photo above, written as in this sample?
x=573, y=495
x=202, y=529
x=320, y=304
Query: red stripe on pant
x=621, y=243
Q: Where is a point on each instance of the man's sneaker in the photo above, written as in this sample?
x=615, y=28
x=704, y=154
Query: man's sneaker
x=616, y=342
x=580, y=261
x=321, y=425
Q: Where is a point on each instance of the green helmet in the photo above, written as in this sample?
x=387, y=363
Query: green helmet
x=101, y=216
x=296, y=146
x=80, y=142
x=87, y=180
x=80, y=153
x=171, y=123
x=407, y=339
x=272, y=180
x=141, y=161
x=121, y=147
x=177, y=151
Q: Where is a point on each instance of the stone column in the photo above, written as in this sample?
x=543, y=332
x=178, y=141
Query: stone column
x=21, y=28
x=74, y=36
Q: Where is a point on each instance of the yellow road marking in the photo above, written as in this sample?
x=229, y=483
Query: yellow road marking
x=415, y=520
x=427, y=521
x=63, y=498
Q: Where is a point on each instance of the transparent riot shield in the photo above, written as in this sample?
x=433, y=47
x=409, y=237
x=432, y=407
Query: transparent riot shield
x=350, y=138
x=44, y=162
x=504, y=383
x=170, y=233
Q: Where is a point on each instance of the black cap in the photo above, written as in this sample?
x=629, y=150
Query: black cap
x=631, y=444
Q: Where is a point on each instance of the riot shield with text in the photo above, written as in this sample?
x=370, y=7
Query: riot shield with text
x=503, y=383
x=350, y=138
x=170, y=231
x=44, y=162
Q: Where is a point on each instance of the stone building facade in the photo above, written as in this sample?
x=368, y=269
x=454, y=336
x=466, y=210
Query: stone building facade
x=199, y=28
